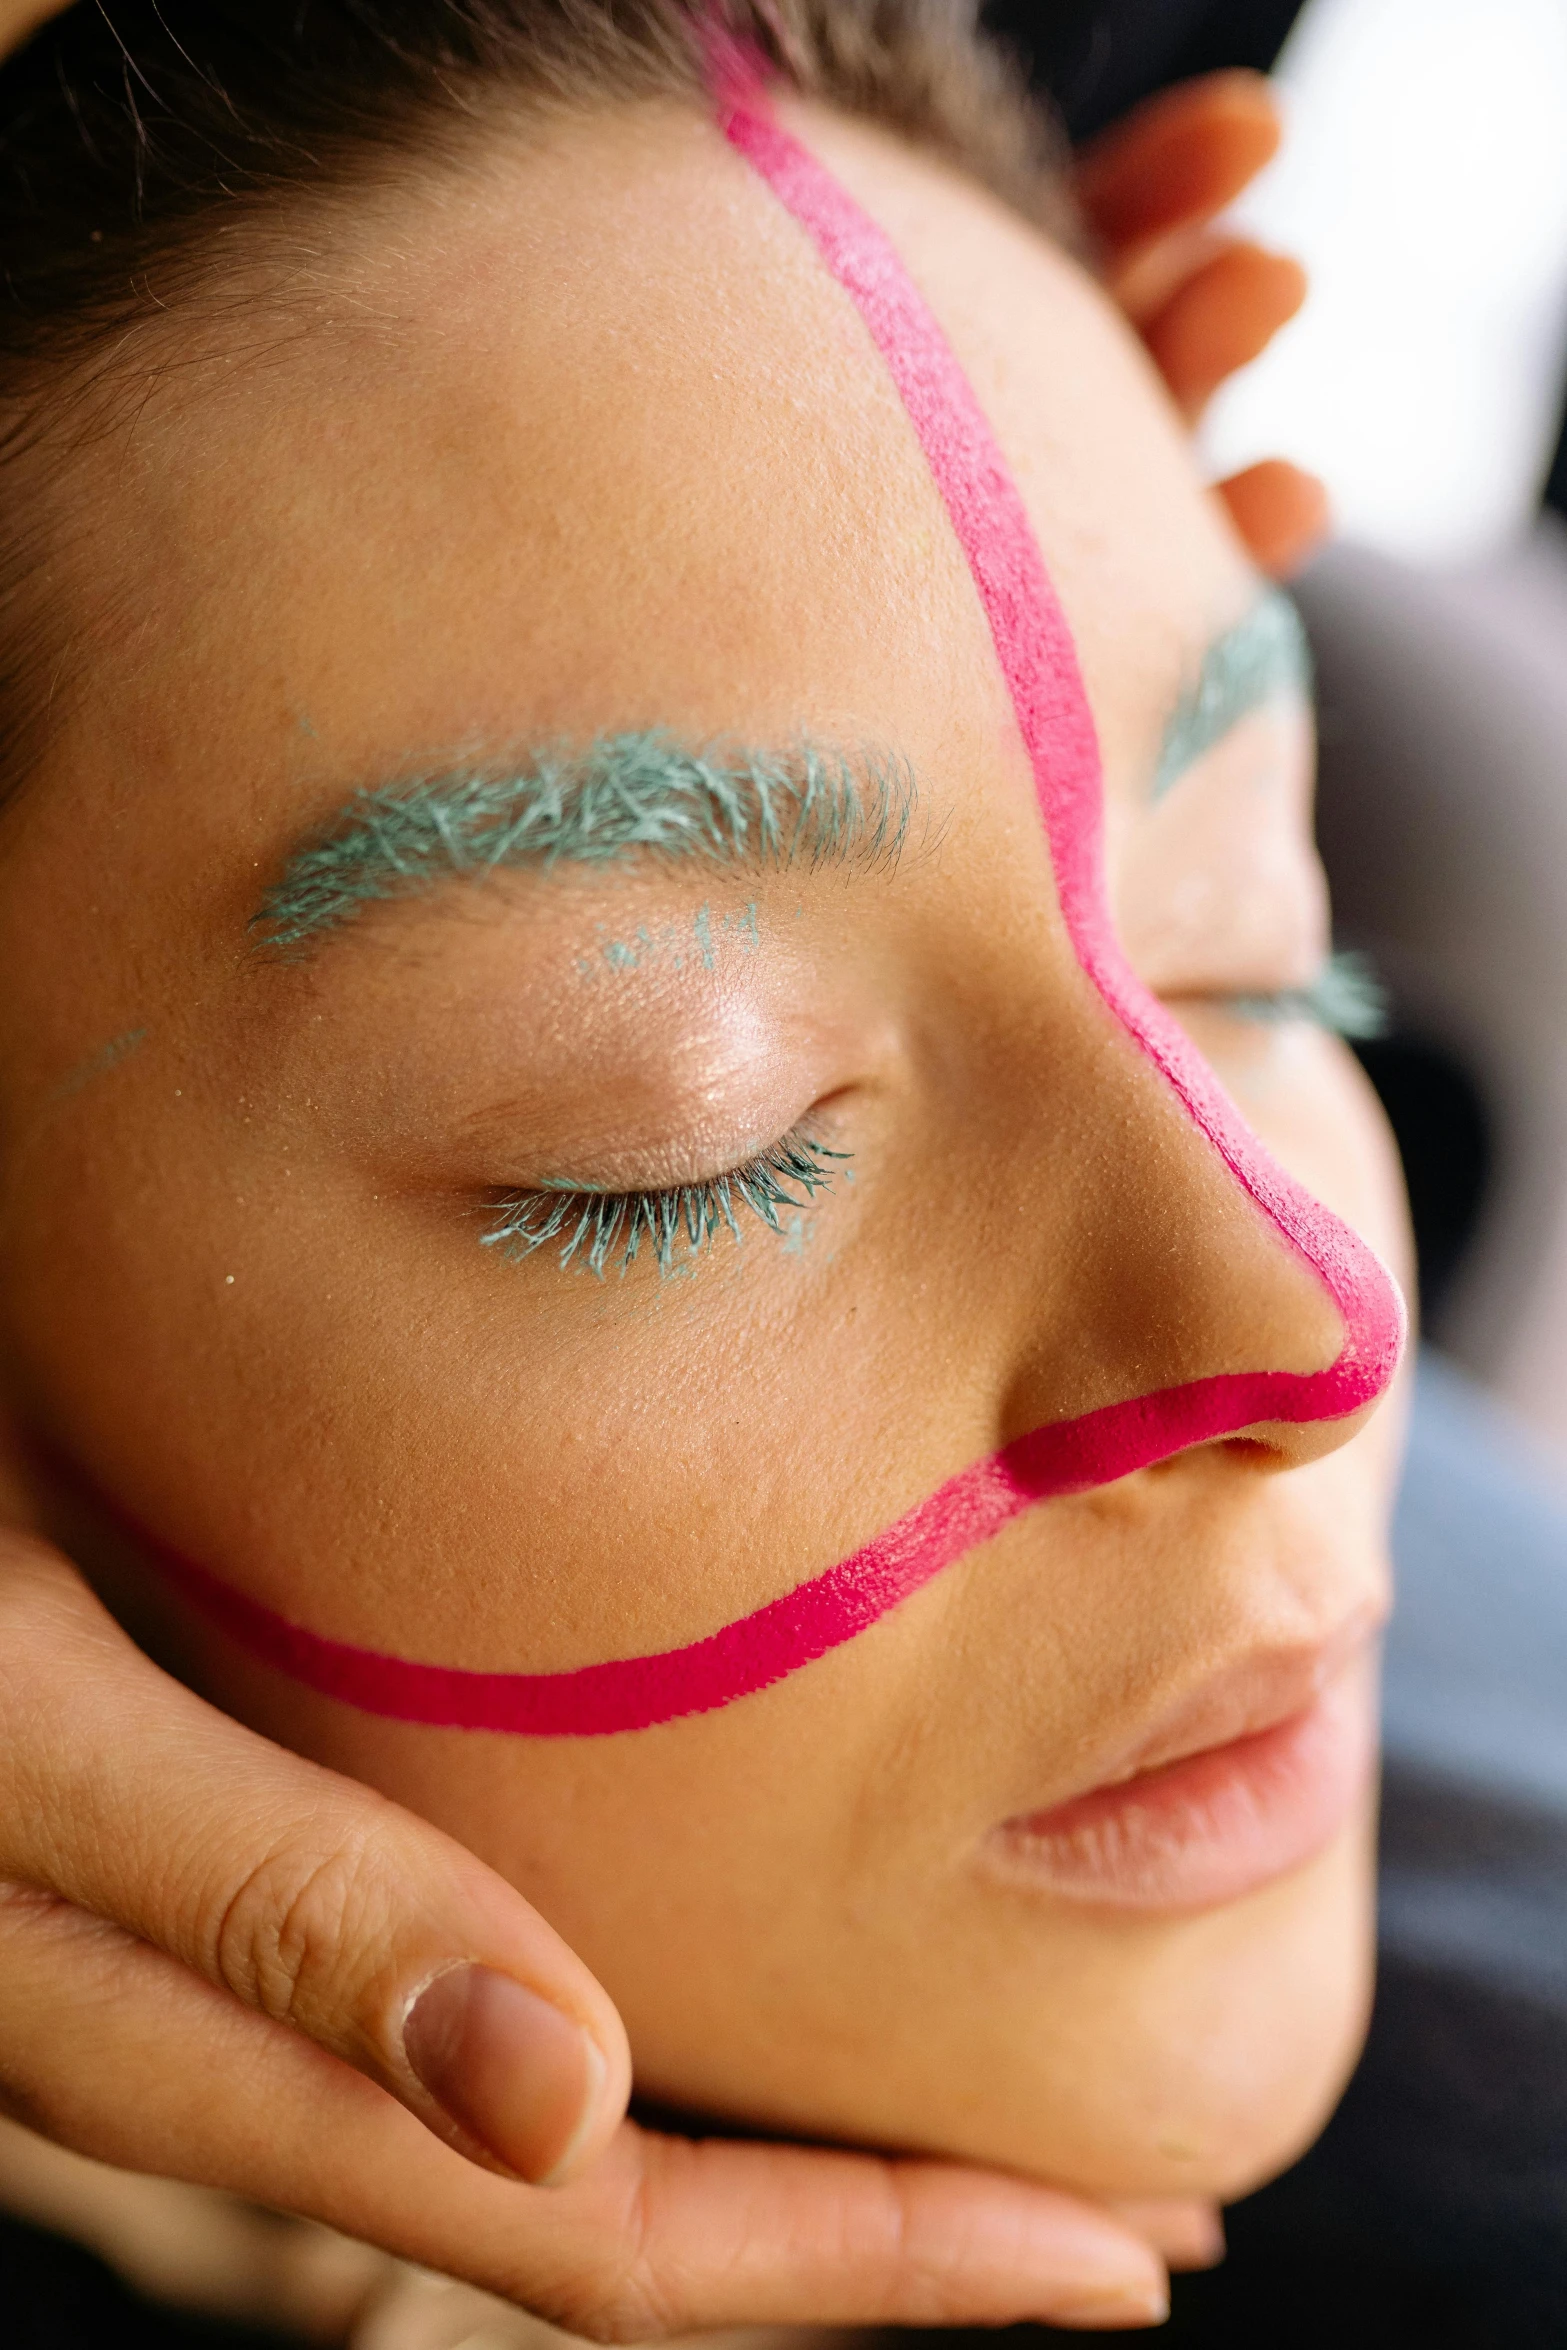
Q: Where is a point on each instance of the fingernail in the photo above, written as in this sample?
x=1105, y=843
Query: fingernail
x=1117, y=2305
x=510, y=2069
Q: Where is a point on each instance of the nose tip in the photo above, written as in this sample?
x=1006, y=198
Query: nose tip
x=1271, y=1445
x=1100, y=1447
x=1204, y=1297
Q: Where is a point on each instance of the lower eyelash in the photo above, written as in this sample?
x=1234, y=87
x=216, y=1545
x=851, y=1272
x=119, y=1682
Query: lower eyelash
x=595, y=1225
x=1347, y=998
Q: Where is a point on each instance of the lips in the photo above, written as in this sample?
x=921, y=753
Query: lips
x=1218, y=1821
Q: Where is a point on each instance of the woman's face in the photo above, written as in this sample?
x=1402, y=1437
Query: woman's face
x=583, y=442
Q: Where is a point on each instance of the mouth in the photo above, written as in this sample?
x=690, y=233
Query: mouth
x=1213, y=1819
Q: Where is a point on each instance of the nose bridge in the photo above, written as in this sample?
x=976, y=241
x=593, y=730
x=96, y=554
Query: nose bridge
x=1175, y=1304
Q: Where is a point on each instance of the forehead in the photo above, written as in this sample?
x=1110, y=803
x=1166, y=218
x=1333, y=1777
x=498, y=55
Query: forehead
x=582, y=437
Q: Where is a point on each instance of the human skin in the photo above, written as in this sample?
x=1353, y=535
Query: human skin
x=398, y=612
x=226, y=1930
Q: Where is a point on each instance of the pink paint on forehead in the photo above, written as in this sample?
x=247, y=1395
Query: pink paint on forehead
x=1040, y=666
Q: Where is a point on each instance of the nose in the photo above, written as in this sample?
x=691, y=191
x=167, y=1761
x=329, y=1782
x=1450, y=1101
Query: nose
x=1199, y=1293
x=1224, y=1301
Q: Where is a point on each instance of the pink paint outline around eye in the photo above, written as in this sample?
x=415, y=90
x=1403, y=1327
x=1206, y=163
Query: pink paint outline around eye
x=1040, y=666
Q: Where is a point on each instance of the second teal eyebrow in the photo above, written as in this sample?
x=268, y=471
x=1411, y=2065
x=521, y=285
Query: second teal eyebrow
x=623, y=794
x=1263, y=658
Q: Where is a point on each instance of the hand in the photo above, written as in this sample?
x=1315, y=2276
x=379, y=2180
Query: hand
x=1204, y=303
x=224, y=1964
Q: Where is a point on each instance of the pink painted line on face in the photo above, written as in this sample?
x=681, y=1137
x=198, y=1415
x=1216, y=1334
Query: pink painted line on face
x=1040, y=666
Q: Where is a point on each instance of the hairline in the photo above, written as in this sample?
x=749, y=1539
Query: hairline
x=93, y=385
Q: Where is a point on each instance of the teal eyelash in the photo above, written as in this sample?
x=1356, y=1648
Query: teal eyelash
x=593, y=1225
x=1346, y=997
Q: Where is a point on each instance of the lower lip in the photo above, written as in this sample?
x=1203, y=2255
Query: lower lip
x=1214, y=1826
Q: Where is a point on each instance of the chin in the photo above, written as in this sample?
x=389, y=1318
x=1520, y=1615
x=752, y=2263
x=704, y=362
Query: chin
x=1133, y=2059
x=1237, y=2039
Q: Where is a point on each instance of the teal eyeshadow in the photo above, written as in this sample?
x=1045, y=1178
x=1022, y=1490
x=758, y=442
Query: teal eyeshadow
x=621, y=796
x=1264, y=658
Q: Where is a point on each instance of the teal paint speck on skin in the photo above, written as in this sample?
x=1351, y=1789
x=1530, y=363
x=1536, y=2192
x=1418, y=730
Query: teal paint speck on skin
x=671, y=945
x=744, y=926
x=1264, y=658
x=98, y=1064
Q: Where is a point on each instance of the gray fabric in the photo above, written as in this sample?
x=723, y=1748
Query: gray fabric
x=1442, y=818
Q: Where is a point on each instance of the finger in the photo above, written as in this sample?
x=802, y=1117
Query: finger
x=1281, y=513
x=1178, y=159
x=1187, y=2234
x=192, y=2246
x=1221, y=319
x=308, y=1898
x=160, y=2069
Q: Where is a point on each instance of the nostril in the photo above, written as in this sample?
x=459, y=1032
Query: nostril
x=1251, y=1448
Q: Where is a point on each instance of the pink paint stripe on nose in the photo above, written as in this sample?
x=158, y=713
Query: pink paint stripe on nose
x=1036, y=655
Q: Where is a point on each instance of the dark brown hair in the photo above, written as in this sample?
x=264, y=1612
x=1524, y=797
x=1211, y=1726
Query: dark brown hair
x=135, y=134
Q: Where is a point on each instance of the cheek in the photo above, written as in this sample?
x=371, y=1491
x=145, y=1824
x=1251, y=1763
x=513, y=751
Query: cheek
x=796, y=1875
x=347, y=1408
x=341, y=1403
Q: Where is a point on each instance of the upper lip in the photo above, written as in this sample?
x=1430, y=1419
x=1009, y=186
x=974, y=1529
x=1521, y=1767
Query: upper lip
x=1256, y=1692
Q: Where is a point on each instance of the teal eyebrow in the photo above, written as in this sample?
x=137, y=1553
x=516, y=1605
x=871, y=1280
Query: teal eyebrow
x=1263, y=658
x=623, y=795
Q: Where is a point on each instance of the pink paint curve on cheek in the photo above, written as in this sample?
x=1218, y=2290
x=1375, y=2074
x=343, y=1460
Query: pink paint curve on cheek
x=1037, y=658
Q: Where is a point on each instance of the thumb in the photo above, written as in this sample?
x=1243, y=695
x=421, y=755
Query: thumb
x=308, y=1897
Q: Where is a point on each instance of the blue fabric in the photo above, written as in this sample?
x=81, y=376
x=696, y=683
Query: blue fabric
x=1474, y=1875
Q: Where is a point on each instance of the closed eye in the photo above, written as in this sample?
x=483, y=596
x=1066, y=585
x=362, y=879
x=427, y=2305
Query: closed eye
x=1347, y=998
x=601, y=1228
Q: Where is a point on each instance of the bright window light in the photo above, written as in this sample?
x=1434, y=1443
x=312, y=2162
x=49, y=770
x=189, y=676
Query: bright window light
x=1424, y=184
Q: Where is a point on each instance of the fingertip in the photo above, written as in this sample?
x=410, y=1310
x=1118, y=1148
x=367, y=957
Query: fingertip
x=1011, y=2253
x=1223, y=316
x=1180, y=157
x=1187, y=2234
x=519, y=2080
x=1113, y=2314
x=1281, y=513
